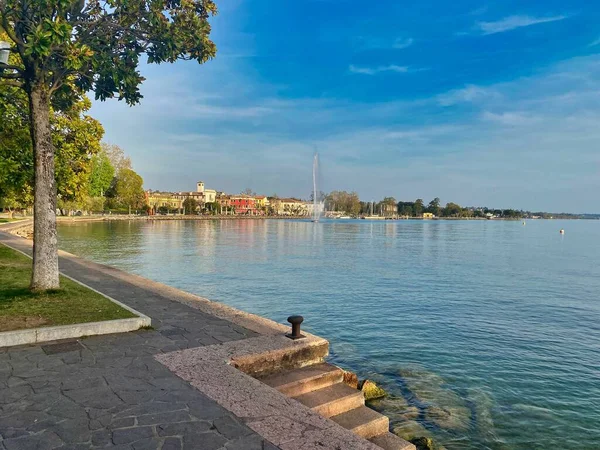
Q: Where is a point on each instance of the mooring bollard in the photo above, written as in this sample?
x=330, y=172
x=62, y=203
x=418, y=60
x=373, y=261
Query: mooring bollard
x=295, y=321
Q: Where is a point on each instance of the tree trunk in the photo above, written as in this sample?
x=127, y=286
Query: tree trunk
x=45, y=242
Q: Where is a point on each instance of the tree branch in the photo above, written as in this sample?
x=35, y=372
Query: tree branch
x=10, y=76
x=12, y=83
x=11, y=67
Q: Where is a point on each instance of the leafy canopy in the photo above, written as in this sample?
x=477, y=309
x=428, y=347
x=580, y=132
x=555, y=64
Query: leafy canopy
x=75, y=136
x=95, y=45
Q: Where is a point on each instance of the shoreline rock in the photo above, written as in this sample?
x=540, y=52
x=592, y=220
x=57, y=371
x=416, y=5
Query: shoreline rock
x=351, y=379
x=371, y=391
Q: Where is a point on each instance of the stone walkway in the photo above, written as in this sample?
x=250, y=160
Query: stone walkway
x=109, y=391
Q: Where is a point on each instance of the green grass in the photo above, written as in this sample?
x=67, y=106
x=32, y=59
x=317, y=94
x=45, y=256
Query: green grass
x=6, y=220
x=72, y=303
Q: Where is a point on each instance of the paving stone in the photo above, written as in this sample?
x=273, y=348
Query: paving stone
x=167, y=417
x=73, y=431
x=147, y=444
x=204, y=441
x=123, y=422
x=39, y=441
x=101, y=438
x=183, y=428
x=253, y=442
x=109, y=390
x=171, y=443
x=128, y=435
x=230, y=427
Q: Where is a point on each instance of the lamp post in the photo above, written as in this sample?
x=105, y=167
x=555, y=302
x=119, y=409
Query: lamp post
x=4, y=52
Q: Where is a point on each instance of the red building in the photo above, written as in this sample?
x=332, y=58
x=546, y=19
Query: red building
x=243, y=204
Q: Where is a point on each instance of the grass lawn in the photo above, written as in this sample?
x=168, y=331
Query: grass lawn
x=6, y=220
x=72, y=303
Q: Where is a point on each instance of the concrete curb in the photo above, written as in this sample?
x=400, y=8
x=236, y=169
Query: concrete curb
x=77, y=330
x=45, y=334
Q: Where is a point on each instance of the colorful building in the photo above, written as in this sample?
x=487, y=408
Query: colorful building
x=243, y=204
x=157, y=200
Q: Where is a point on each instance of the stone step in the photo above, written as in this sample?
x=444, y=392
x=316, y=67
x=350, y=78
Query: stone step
x=332, y=400
x=389, y=441
x=363, y=421
x=300, y=381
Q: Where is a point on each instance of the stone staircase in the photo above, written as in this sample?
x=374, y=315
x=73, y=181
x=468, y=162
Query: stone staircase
x=320, y=387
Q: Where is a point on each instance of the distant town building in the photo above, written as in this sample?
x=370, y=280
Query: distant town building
x=157, y=200
x=243, y=204
x=428, y=215
x=290, y=207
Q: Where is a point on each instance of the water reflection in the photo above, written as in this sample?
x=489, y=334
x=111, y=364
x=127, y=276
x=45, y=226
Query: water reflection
x=500, y=323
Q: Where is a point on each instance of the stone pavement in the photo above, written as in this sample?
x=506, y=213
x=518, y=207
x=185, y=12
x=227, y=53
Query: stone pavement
x=109, y=391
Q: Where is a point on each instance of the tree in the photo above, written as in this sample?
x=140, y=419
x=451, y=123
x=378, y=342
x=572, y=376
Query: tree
x=406, y=209
x=116, y=156
x=127, y=191
x=71, y=46
x=343, y=201
x=434, y=207
x=190, y=205
x=249, y=192
x=75, y=137
x=101, y=175
x=452, y=210
x=418, y=207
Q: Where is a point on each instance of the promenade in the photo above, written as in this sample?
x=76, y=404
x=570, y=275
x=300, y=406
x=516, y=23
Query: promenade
x=109, y=391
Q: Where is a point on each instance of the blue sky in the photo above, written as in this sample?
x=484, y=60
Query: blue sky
x=481, y=103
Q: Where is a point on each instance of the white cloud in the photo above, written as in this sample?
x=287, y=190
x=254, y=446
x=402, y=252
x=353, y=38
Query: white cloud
x=595, y=43
x=469, y=94
x=378, y=69
x=372, y=43
x=400, y=43
x=513, y=22
x=511, y=118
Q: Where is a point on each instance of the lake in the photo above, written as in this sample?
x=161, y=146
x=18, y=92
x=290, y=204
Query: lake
x=486, y=334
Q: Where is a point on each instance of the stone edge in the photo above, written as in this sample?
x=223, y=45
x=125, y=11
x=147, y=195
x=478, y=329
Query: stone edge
x=77, y=330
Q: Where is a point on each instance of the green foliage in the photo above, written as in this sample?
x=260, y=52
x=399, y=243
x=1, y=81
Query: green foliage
x=190, y=205
x=418, y=207
x=343, y=201
x=102, y=174
x=97, y=44
x=76, y=138
x=452, y=210
x=126, y=190
x=434, y=207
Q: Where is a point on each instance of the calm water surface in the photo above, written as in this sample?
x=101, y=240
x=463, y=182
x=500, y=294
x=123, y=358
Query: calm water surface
x=486, y=333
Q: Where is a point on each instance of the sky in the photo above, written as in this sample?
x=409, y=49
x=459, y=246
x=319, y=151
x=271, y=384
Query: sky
x=481, y=103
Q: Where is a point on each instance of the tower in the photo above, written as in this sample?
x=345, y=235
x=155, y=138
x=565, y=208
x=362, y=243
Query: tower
x=200, y=186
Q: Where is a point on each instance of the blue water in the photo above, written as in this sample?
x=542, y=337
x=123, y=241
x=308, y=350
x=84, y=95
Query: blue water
x=485, y=333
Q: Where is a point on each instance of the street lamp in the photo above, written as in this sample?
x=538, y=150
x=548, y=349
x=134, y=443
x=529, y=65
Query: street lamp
x=4, y=52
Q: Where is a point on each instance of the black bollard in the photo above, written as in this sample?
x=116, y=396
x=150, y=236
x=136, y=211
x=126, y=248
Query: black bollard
x=295, y=321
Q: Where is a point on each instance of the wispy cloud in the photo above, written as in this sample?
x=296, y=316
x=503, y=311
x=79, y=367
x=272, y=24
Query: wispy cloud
x=374, y=43
x=595, y=43
x=468, y=94
x=514, y=22
x=376, y=70
x=511, y=118
x=401, y=43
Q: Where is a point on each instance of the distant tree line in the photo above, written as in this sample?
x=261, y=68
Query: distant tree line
x=350, y=203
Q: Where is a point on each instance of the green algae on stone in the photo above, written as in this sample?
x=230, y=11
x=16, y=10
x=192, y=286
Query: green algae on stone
x=443, y=407
x=396, y=408
x=410, y=430
x=371, y=390
x=423, y=443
